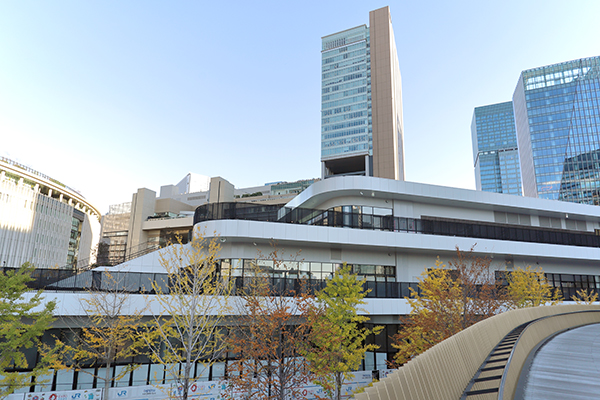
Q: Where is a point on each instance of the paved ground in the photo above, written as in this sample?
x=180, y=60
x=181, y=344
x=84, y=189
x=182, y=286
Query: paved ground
x=566, y=367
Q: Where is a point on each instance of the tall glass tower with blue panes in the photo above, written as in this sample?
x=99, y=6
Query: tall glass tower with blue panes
x=361, y=106
x=557, y=115
x=495, y=152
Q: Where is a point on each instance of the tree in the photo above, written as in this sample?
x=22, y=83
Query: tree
x=435, y=314
x=188, y=329
x=112, y=333
x=448, y=301
x=22, y=324
x=585, y=296
x=482, y=297
x=529, y=288
x=336, y=344
x=268, y=339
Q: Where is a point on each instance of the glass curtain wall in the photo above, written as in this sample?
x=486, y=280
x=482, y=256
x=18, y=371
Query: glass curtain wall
x=345, y=89
x=559, y=123
x=495, y=152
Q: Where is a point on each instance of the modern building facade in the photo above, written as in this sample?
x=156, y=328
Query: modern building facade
x=361, y=104
x=150, y=221
x=389, y=231
x=43, y=221
x=495, y=151
x=557, y=115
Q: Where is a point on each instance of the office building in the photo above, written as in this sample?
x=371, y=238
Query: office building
x=43, y=221
x=495, y=152
x=361, y=106
x=557, y=115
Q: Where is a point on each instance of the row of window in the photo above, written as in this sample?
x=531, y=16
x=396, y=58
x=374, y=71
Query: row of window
x=345, y=109
x=344, y=71
x=346, y=117
x=345, y=78
x=347, y=132
x=344, y=64
x=554, y=142
x=343, y=86
x=349, y=100
x=550, y=118
x=551, y=92
x=345, y=93
x=553, y=126
x=292, y=269
x=531, y=112
x=360, y=218
x=362, y=34
x=347, y=124
x=543, y=82
x=345, y=141
x=345, y=149
x=350, y=51
x=346, y=61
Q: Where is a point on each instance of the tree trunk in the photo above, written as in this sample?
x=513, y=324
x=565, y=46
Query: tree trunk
x=107, y=375
x=269, y=378
x=282, y=381
x=338, y=386
x=186, y=382
x=187, y=367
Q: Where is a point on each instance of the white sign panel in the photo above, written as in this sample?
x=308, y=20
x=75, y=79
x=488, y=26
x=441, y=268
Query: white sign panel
x=87, y=394
x=209, y=390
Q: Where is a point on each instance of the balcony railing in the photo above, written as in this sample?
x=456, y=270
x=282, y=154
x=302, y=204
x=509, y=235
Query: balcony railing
x=424, y=225
x=142, y=283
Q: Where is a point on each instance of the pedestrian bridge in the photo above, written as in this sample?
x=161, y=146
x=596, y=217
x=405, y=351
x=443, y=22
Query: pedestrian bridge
x=495, y=359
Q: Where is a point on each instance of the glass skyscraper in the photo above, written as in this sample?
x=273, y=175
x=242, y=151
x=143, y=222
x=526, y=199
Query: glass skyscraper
x=495, y=152
x=557, y=115
x=361, y=106
x=346, y=88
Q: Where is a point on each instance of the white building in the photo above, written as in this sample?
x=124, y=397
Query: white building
x=150, y=221
x=390, y=232
x=44, y=222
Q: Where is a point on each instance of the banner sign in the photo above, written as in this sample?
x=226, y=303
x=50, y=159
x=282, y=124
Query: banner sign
x=207, y=390
x=86, y=394
x=202, y=390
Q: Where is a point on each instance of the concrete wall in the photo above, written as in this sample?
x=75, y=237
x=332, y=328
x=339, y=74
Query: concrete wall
x=171, y=205
x=388, y=153
x=142, y=206
x=221, y=190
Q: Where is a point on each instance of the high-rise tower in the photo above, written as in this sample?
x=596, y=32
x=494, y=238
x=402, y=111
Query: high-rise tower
x=495, y=153
x=361, y=106
x=557, y=115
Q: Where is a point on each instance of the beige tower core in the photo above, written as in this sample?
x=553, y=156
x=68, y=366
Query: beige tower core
x=386, y=98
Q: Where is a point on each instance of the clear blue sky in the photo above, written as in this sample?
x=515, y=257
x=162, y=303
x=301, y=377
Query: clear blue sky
x=110, y=96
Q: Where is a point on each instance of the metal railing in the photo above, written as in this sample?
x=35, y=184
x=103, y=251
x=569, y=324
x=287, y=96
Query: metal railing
x=424, y=225
x=145, y=283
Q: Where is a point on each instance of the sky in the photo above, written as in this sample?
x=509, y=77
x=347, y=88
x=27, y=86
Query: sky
x=111, y=96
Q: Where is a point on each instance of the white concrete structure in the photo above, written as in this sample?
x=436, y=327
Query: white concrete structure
x=43, y=221
x=412, y=249
x=389, y=231
x=150, y=221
